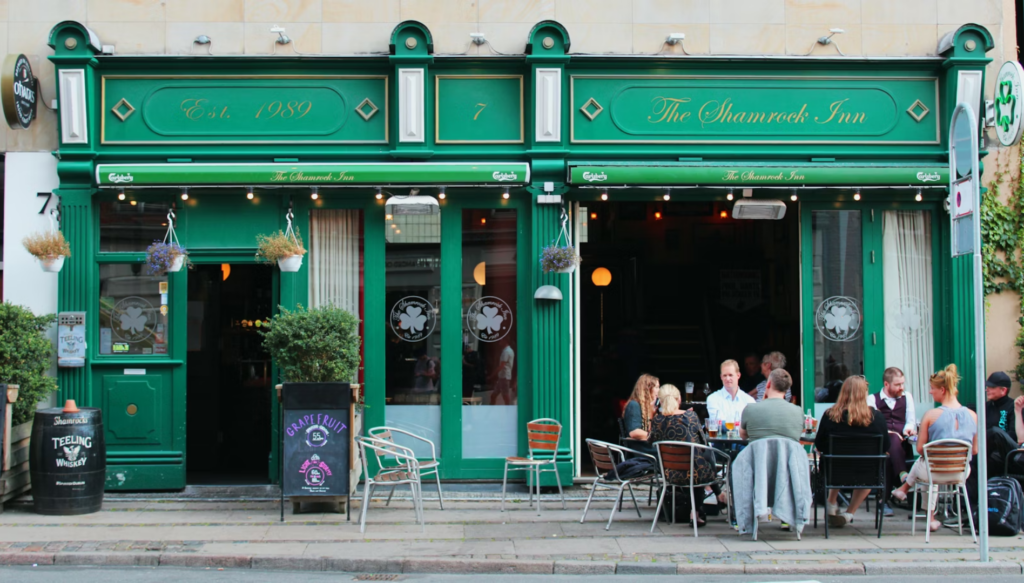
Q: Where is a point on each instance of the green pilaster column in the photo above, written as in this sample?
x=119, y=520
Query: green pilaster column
x=412, y=127
x=965, y=53
x=73, y=292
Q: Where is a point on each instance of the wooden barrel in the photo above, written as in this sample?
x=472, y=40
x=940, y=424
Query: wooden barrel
x=67, y=460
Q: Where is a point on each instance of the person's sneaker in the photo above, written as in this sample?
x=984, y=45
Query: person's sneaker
x=783, y=526
x=839, y=520
x=887, y=511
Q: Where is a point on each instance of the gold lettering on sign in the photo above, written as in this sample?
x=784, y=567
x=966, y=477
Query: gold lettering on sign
x=479, y=111
x=676, y=110
x=299, y=176
x=748, y=176
x=667, y=109
x=200, y=108
x=285, y=110
x=835, y=109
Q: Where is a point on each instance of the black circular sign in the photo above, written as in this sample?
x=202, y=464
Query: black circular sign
x=20, y=91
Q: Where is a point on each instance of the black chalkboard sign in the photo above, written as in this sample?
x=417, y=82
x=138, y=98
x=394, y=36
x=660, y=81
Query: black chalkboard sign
x=316, y=436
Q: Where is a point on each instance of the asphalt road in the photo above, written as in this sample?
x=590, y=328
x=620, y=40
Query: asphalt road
x=172, y=575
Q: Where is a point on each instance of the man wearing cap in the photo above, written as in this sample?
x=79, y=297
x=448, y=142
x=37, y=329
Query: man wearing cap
x=1000, y=430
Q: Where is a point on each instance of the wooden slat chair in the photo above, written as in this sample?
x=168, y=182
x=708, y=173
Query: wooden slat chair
x=678, y=456
x=606, y=457
x=947, y=462
x=406, y=473
x=542, y=439
x=427, y=466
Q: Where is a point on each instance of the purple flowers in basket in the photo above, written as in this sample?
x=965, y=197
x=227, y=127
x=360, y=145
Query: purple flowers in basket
x=160, y=257
x=556, y=258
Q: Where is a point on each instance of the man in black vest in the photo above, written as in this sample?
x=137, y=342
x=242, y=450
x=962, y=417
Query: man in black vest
x=897, y=406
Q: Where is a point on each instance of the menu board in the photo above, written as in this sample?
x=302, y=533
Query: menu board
x=317, y=438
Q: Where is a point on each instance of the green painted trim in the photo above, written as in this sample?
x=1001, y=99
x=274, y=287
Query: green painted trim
x=748, y=174
x=374, y=174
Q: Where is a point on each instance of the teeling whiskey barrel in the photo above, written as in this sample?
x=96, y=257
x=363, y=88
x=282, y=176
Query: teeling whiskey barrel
x=67, y=460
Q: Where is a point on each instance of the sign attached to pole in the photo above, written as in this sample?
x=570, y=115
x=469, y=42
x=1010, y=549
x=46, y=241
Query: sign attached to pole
x=1009, y=103
x=18, y=92
x=963, y=187
x=964, y=136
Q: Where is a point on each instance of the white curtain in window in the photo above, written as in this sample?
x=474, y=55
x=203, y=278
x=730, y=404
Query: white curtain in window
x=334, y=247
x=907, y=284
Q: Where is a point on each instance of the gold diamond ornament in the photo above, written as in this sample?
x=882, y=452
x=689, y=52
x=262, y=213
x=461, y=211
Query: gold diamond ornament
x=918, y=110
x=127, y=107
x=366, y=115
x=586, y=109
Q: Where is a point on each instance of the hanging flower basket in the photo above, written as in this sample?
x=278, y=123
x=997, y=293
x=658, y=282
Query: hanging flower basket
x=290, y=264
x=167, y=256
x=52, y=264
x=560, y=259
x=283, y=247
x=49, y=247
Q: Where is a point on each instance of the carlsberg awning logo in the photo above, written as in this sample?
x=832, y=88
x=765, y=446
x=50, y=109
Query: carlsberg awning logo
x=505, y=176
x=595, y=176
x=120, y=178
x=929, y=176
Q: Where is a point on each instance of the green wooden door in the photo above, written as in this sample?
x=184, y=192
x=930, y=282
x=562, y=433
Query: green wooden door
x=870, y=295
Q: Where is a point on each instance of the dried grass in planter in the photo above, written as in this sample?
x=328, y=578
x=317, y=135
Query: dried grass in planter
x=47, y=244
x=278, y=245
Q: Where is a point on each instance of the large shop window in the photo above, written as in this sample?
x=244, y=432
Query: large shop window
x=907, y=265
x=412, y=256
x=131, y=226
x=133, y=310
x=838, y=293
x=490, y=383
x=336, y=260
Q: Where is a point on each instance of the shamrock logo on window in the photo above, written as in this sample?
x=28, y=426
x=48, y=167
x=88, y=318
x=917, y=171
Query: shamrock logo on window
x=489, y=320
x=133, y=320
x=838, y=319
x=412, y=318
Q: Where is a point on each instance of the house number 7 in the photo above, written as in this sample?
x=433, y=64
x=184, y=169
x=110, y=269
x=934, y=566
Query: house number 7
x=479, y=111
x=49, y=197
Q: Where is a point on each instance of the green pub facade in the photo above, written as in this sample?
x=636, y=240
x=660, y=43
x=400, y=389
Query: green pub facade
x=426, y=186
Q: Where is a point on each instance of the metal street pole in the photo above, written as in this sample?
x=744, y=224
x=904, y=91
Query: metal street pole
x=965, y=204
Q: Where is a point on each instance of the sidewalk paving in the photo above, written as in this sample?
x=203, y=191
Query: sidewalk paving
x=472, y=536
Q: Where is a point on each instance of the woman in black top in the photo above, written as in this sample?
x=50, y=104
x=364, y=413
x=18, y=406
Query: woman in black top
x=850, y=416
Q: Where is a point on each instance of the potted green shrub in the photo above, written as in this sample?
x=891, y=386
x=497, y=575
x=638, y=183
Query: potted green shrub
x=49, y=247
x=282, y=248
x=25, y=356
x=314, y=345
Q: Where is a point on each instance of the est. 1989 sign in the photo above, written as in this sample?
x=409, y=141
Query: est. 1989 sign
x=18, y=90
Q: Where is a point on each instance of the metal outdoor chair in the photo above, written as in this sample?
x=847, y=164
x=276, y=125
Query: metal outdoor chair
x=542, y=439
x=855, y=462
x=947, y=462
x=606, y=457
x=427, y=467
x=407, y=473
x=679, y=456
x=1014, y=457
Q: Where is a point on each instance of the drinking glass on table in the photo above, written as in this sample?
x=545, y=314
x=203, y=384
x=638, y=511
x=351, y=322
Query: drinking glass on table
x=712, y=425
x=729, y=426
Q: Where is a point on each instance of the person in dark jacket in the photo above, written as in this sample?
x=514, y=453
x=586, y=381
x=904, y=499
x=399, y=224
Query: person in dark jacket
x=1000, y=425
x=850, y=416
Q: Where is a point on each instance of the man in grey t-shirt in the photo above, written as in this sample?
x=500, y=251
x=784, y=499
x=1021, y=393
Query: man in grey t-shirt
x=774, y=416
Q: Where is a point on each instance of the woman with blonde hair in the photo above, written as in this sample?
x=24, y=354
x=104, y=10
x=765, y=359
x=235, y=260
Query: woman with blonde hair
x=850, y=416
x=671, y=423
x=640, y=408
x=950, y=420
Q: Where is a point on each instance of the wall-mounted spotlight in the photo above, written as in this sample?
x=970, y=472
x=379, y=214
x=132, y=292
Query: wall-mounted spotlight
x=792, y=194
x=440, y=193
x=184, y=194
x=379, y=195
x=314, y=192
x=248, y=193
x=282, y=38
x=667, y=195
x=120, y=194
x=505, y=194
x=604, y=196
x=918, y=197
x=856, y=194
x=728, y=194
